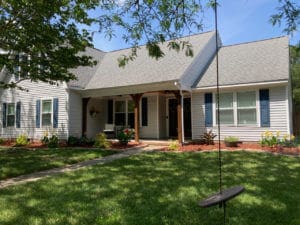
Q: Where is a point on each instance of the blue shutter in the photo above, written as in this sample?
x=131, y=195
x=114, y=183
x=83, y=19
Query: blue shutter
x=18, y=115
x=4, y=115
x=55, y=112
x=208, y=99
x=38, y=114
x=264, y=108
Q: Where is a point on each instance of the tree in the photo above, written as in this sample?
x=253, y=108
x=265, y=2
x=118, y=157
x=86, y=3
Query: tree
x=40, y=39
x=47, y=36
x=295, y=74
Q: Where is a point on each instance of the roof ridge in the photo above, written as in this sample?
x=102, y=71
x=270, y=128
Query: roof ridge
x=190, y=35
x=250, y=42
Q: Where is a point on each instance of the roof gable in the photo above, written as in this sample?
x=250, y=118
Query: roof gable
x=253, y=62
x=146, y=70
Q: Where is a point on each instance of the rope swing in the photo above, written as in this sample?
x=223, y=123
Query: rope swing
x=220, y=198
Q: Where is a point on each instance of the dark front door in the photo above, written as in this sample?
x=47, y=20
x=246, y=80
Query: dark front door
x=173, y=117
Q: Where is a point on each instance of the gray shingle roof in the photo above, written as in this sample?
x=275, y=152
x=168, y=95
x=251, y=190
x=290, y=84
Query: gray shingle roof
x=145, y=70
x=85, y=73
x=260, y=61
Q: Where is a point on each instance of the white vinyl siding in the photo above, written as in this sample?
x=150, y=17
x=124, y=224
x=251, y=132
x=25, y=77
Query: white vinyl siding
x=36, y=91
x=278, y=117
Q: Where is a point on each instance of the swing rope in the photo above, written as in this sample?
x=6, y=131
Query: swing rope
x=220, y=198
x=218, y=97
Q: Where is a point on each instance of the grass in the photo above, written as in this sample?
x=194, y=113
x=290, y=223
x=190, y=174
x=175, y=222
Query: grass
x=161, y=189
x=15, y=161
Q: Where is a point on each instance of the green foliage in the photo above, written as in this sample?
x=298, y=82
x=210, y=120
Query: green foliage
x=125, y=135
x=289, y=13
x=1, y=141
x=270, y=139
x=51, y=142
x=208, y=138
x=174, y=146
x=231, y=139
x=85, y=141
x=73, y=141
x=295, y=74
x=101, y=141
x=22, y=140
x=48, y=32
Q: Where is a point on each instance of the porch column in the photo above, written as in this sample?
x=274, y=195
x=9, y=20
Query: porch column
x=84, y=116
x=136, y=99
x=179, y=116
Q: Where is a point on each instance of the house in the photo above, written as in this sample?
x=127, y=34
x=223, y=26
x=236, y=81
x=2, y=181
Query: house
x=174, y=96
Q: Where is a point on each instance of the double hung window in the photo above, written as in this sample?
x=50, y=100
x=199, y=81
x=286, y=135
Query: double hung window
x=46, y=112
x=10, y=115
x=237, y=108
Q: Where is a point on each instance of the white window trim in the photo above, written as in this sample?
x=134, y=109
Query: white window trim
x=126, y=100
x=235, y=116
x=14, y=126
x=41, y=112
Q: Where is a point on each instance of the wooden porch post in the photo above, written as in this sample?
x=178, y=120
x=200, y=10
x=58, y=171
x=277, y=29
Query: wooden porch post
x=179, y=116
x=84, y=116
x=136, y=99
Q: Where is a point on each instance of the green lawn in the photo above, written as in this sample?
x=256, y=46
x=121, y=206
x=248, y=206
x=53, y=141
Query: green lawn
x=161, y=188
x=15, y=162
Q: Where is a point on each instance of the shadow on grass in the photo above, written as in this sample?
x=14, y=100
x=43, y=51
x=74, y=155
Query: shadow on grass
x=161, y=188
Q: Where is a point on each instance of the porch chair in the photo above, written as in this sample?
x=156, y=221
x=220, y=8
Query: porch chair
x=109, y=130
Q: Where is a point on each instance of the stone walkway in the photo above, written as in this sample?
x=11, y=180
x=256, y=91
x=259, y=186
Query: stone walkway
x=46, y=173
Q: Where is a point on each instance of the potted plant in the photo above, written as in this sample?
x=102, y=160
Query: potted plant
x=125, y=136
x=231, y=141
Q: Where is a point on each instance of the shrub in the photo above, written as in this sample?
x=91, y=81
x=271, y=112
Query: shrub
x=174, y=146
x=51, y=142
x=271, y=140
x=125, y=136
x=101, y=141
x=1, y=141
x=231, y=139
x=22, y=140
x=85, y=141
x=208, y=138
x=73, y=141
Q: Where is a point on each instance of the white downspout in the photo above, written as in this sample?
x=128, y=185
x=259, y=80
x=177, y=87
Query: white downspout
x=182, y=115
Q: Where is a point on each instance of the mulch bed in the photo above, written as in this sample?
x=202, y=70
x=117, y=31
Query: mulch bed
x=241, y=146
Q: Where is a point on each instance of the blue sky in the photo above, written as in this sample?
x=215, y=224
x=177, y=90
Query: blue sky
x=239, y=21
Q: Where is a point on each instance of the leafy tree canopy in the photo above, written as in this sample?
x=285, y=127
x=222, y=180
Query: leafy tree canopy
x=45, y=33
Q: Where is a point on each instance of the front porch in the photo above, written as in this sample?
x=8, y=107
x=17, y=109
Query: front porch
x=155, y=115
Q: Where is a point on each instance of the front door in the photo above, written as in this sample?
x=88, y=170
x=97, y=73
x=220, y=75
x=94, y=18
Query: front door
x=173, y=118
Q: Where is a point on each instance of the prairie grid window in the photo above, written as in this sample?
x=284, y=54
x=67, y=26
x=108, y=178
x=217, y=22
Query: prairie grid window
x=238, y=108
x=10, y=116
x=46, y=112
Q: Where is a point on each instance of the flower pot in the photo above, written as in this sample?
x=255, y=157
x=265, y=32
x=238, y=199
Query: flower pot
x=231, y=144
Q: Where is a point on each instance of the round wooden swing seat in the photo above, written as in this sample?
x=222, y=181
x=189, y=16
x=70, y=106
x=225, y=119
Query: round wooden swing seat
x=221, y=198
